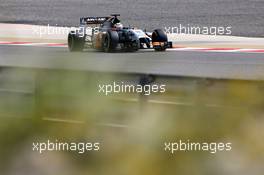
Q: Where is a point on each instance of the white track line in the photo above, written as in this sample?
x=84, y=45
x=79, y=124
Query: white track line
x=217, y=50
x=62, y=120
x=170, y=103
x=113, y=125
x=32, y=44
x=164, y=102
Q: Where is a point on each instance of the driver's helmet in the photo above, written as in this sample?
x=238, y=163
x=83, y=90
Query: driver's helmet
x=119, y=25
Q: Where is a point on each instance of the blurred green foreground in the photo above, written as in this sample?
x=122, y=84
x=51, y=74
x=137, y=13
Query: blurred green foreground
x=65, y=105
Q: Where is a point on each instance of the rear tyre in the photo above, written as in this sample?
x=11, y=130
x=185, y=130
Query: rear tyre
x=110, y=41
x=75, y=43
x=159, y=40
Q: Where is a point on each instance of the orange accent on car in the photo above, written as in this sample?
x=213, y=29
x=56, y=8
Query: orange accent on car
x=158, y=43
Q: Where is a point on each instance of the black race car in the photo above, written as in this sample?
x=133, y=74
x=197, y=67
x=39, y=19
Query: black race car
x=108, y=34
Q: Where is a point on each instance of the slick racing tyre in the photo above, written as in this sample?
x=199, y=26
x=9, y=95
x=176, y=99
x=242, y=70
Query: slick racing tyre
x=159, y=40
x=110, y=41
x=75, y=43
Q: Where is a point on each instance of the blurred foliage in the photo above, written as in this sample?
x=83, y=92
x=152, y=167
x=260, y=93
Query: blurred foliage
x=65, y=105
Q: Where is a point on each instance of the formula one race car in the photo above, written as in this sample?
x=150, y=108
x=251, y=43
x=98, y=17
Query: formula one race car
x=108, y=34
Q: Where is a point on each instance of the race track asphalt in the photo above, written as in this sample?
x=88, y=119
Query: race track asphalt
x=245, y=66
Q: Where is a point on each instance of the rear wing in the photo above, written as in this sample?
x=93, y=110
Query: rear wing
x=93, y=20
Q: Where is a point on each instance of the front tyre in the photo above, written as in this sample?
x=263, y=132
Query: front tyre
x=159, y=40
x=110, y=41
x=75, y=43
